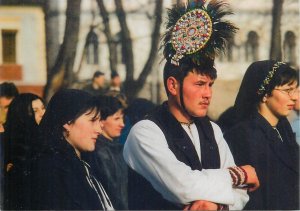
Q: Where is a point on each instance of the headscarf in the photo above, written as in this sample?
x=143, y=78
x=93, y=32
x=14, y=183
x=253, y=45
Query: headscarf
x=21, y=129
x=260, y=79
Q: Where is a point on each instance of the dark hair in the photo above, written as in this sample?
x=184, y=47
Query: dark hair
x=97, y=74
x=114, y=74
x=186, y=66
x=249, y=95
x=21, y=128
x=8, y=89
x=65, y=107
x=108, y=105
x=138, y=109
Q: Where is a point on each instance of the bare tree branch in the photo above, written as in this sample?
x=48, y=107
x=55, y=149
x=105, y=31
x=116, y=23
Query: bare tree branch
x=126, y=41
x=155, y=38
x=107, y=31
x=61, y=75
x=275, y=51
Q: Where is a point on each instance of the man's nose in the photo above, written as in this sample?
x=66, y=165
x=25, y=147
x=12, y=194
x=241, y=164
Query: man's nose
x=207, y=93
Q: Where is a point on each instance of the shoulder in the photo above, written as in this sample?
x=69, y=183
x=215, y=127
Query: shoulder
x=56, y=161
x=144, y=133
x=145, y=126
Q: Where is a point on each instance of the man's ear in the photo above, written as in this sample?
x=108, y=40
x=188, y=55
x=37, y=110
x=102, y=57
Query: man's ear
x=172, y=85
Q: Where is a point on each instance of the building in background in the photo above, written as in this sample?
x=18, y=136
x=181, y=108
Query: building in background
x=22, y=48
x=251, y=43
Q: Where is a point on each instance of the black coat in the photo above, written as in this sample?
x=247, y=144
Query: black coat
x=110, y=168
x=255, y=142
x=60, y=181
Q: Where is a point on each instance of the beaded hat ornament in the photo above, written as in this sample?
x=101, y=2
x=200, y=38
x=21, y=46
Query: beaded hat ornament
x=196, y=31
x=268, y=78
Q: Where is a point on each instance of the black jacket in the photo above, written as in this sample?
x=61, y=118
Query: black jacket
x=110, y=168
x=255, y=142
x=60, y=181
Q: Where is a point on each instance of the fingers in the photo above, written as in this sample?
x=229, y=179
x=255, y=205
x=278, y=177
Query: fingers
x=252, y=178
x=202, y=205
x=186, y=208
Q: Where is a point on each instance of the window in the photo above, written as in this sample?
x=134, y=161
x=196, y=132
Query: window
x=9, y=46
x=252, y=45
x=120, y=48
x=92, y=47
x=289, y=46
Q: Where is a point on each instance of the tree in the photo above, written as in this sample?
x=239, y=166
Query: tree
x=111, y=44
x=132, y=86
x=61, y=74
x=275, y=51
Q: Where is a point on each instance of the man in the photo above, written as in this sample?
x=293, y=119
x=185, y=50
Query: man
x=115, y=82
x=294, y=118
x=97, y=85
x=178, y=158
x=8, y=91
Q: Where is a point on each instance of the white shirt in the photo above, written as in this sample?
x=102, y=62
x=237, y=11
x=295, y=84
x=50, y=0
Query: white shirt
x=146, y=151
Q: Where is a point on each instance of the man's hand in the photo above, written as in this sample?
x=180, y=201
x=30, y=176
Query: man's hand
x=252, y=179
x=201, y=205
x=9, y=166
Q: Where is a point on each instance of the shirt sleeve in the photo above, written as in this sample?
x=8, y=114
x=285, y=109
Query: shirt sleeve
x=147, y=152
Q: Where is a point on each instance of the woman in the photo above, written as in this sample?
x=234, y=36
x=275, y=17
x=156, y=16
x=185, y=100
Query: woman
x=107, y=159
x=63, y=180
x=263, y=138
x=20, y=139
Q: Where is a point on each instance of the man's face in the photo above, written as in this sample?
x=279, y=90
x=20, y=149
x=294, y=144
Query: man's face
x=116, y=81
x=4, y=103
x=197, y=93
x=100, y=80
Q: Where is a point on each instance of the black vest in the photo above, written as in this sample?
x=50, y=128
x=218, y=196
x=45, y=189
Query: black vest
x=142, y=196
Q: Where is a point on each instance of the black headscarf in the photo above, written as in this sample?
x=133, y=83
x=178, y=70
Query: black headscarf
x=21, y=129
x=248, y=96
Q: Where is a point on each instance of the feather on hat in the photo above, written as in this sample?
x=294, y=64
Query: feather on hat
x=197, y=32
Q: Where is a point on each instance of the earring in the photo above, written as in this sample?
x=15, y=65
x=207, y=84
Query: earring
x=67, y=133
x=264, y=99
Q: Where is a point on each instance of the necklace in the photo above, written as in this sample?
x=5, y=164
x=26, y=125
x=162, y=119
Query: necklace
x=187, y=123
x=279, y=136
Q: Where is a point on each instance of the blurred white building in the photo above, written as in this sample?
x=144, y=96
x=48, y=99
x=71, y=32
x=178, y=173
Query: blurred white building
x=251, y=42
x=22, y=47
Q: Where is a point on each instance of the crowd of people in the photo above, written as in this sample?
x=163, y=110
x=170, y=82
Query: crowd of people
x=91, y=149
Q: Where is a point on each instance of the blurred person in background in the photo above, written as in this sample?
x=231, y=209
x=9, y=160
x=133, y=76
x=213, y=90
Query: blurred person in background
x=136, y=111
x=8, y=91
x=20, y=143
x=97, y=86
x=115, y=83
x=294, y=118
x=107, y=159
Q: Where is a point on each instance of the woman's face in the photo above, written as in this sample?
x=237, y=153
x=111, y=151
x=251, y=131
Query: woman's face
x=38, y=109
x=113, y=125
x=282, y=100
x=83, y=133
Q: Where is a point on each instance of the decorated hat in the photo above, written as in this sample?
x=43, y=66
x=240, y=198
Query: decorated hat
x=196, y=31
